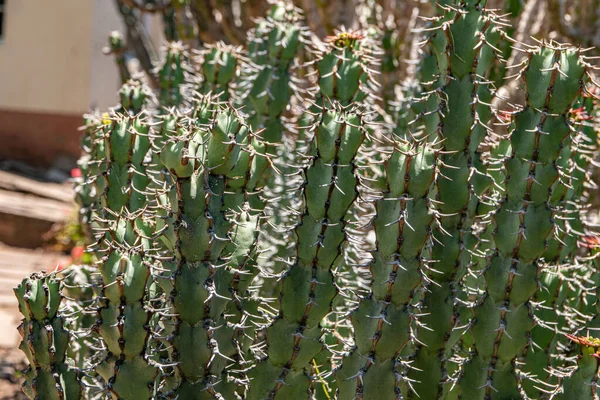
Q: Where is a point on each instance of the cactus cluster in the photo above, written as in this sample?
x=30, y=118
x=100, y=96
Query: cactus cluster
x=271, y=221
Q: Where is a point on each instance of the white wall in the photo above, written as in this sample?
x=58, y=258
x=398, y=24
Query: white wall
x=51, y=56
x=45, y=55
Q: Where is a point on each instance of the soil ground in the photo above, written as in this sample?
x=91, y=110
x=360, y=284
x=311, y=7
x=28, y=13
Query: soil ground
x=11, y=364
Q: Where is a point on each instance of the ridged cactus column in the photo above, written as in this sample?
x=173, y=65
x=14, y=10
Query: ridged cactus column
x=45, y=340
x=267, y=83
x=171, y=75
x=503, y=321
x=561, y=300
x=384, y=321
x=463, y=45
x=244, y=205
x=199, y=155
x=346, y=70
x=266, y=88
x=117, y=48
x=218, y=66
x=308, y=289
x=122, y=243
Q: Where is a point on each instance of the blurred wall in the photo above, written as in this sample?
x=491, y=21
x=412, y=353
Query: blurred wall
x=52, y=70
x=45, y=55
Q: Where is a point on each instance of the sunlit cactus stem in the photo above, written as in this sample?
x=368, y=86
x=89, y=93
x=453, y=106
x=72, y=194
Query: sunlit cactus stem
x=45, y=340
x=267, y=82
x=562, y=302
x=266, y=89
x=554, y=76
x=383, y=322
x=171, y=75
x=200, y=153
x=307, y=288
x=218, y=67
x=122, y=234
x=463, y=43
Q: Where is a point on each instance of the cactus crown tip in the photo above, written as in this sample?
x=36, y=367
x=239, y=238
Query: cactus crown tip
x=346, y=39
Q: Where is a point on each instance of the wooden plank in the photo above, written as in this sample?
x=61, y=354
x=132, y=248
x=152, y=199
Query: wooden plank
x=21, y=262
x=56, y=191
x=27, y=257
x=24, y=218
x=16, y=269
x=33, y=207
x=9, y=281
x=8, y=300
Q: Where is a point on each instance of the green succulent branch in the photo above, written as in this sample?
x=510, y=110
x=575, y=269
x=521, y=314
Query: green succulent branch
x=45, y=340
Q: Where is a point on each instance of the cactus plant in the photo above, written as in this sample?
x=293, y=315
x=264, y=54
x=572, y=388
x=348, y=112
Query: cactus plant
x=270, y=222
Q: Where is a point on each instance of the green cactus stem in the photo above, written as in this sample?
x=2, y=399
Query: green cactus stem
x=45, y=340
x=218, y=66
x=171, y=75
x=384, y=320
x=563, y=299
x=346, y=70
x=463, y=44
x=293, y=339
x=200, y=153
x=122, y=241
x=267, y=82
x=524, y=222
x=117, y=48
x=267, y=88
